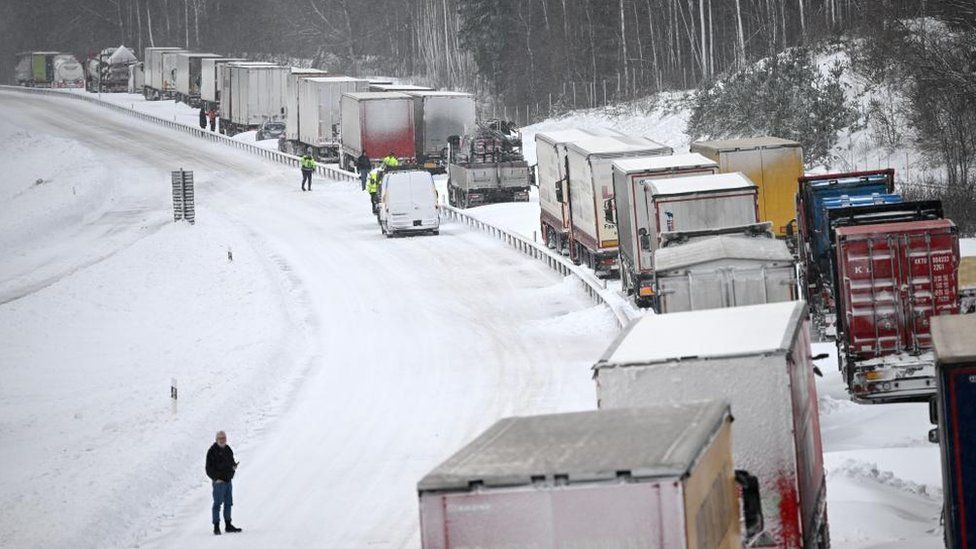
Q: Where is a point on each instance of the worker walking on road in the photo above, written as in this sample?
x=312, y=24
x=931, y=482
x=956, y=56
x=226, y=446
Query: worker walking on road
x=220, y=468
x=390, y=160
x=212, y=114
x=363, y=165
x=373, y=188
x=203, y=118
x=308, y=168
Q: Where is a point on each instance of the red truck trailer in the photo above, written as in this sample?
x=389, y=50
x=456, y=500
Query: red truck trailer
x=891, y=278
x=378, y=123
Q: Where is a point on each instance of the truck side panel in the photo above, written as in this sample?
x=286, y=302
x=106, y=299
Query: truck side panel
x=352, y=133
x=388, y=126
x=711, y=500
x=549, y=169
x=639, y=514
x=698, y=212
x=732, y=284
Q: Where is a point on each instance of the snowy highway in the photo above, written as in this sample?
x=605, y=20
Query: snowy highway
x=343, y=365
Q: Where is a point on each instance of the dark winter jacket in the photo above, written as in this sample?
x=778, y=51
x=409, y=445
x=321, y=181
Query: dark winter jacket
x=220, y=463
x=203, y=117
x=363, y=163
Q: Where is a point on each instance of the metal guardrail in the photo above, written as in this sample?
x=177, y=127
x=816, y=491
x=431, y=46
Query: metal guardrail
x=590, y=285
x=275, y=156
x=556, y=262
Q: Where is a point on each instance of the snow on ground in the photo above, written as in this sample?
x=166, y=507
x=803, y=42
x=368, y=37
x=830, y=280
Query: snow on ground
x=343, y=365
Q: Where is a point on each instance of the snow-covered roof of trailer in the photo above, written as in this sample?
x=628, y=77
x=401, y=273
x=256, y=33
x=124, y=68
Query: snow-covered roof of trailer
x=377, y=95
x=709, y=333
x=306, y=70
x=255, y=64
x=437, y=93
x=698, y=183
x=654, y=442
x=198, y=54
x=663, y=163
x=333, y=79
x=953, y=338
x=744, y=143
x=400, y=87
x=573, y=134
x=717, y=248
x=616, y=144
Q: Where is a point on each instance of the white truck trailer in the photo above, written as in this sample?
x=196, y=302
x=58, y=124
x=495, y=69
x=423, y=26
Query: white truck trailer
x=168, y=61
x=153, y=69
x=439, y=115
x=251, y=94
x=628, y=173
x=724, y=271
x=655, y=477
x=758, y=358
x=315, y=120
x=550, y=177
x=210, y=78
x=189, y=76
x=593, y=237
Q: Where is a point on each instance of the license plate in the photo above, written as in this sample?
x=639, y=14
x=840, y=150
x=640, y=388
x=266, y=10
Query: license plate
x=416, y=223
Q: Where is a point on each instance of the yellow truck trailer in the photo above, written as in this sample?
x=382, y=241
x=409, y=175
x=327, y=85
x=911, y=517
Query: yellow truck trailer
x=967, y=275
x=773, y=164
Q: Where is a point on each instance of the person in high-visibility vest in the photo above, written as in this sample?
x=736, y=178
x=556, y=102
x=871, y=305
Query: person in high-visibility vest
x=308, y=168
x=390, y=160
x=373, y=188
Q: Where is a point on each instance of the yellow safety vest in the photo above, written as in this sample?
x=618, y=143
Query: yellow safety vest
x=372, y=185
x=391, y=161
x=308, y=163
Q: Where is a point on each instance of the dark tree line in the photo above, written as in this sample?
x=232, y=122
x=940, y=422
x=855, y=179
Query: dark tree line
x=520, y=51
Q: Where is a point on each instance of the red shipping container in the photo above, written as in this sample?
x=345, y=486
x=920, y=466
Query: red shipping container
x=891, y=278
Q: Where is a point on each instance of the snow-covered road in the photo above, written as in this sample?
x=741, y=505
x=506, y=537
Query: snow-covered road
x=344, y=365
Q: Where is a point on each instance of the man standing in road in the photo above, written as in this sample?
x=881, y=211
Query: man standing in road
x=203, y=118
x=212, y=115
x=363, y=165
x=308, y=168
x=220, y=468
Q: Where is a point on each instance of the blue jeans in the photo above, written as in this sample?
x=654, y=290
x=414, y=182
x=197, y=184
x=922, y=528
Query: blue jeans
x=223, y=493
x=363, y=174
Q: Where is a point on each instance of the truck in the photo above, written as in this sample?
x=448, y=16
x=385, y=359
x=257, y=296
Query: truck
x=758, y=358
x=550, y=178
x=592, y=237
x=631, y=216
x=660, y=476
x=955, y=410
x=438, y=116
x=724, y=271
x=189, y=76
x=377, y=123
x=210, y=78
x=488, y=166
x=251, y=93
x=891, y=279
x=315, y=120
x=49, y=69
x=155, y=72
x=108, y=72
x=773, y=164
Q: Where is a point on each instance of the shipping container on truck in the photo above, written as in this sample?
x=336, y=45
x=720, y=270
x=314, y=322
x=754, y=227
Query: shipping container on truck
x=891, y=279
x=813, y=236
x=189, y=76
x=109, y=71
x=967, y=276
x=68, y=72
x=153, y=67
x=592, y=237
x=645, y=477
x=210, y=78
x=631, y=216
x=676, y=209
x=773, y=164
x=758, y=358
x=319, y=115
x=256, y=94
x=724, y=271
x=439, y=115
x=550, y=177
x=288, y=142
x=955, y=411
x=378, y=123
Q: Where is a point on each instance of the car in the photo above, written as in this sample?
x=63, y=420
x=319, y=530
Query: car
x=272, y=129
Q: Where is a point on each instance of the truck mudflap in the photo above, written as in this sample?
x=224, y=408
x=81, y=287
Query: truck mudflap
x=894, y=378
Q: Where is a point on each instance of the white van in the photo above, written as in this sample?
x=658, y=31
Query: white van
x=408, y=203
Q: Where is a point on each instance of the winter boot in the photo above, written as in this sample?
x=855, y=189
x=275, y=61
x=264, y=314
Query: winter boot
x=231, y=528
x=216, y=528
